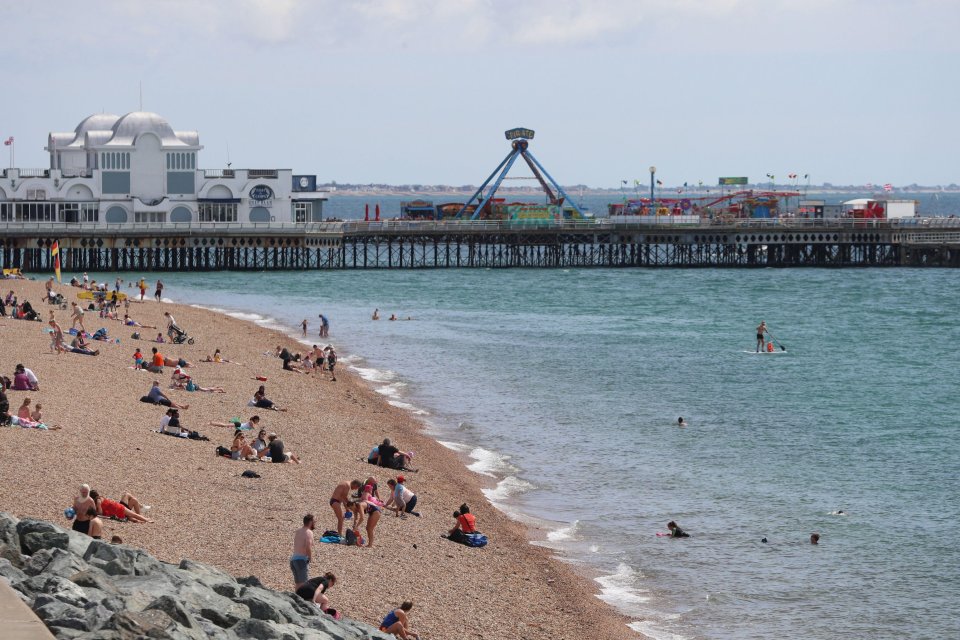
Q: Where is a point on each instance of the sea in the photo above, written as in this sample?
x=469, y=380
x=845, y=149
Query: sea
x=563, y=388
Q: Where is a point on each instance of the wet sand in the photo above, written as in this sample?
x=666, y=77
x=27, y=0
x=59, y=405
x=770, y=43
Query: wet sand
x=205, y=510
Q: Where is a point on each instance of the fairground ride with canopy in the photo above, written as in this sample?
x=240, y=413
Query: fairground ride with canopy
x=519, y=148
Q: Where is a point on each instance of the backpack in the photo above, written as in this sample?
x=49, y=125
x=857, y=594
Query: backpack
x=474, y=539
x=351, y=538
x=223, y=451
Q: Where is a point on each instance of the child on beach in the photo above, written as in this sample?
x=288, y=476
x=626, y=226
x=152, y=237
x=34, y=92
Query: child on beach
x=137, y=359
x=397, y=623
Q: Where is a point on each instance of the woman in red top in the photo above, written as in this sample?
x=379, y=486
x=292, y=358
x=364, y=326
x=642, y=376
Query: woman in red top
x=466, y=523
x=120, y=510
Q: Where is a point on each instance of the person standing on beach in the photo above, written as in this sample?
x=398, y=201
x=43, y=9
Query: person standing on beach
x=331, y=362
x=303, y=325
x=762, y=329
x=143, y=288
x=324, y=326
x=302, y=550
x=159, y=291
x=341, y=494
x=77, y=316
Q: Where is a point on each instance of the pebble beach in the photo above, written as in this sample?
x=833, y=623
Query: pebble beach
x=206, y=511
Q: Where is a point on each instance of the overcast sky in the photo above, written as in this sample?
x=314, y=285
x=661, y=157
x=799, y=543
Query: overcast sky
x=421, y=91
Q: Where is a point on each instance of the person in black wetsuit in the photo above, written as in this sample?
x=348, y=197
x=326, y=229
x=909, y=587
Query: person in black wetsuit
x=675, y=531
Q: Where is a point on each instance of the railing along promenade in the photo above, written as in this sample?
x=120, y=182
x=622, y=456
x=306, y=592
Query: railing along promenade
x=609, y=242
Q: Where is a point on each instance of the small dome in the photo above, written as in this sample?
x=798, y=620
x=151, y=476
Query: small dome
x=137, y=122
x=96, y=122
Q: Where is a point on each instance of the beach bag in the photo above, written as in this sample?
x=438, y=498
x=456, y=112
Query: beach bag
x=333, y=613
x=474, y=539
x=135, y=336
x=351, y=538
x=223, y=451
x=331, y=537
x=191, y=386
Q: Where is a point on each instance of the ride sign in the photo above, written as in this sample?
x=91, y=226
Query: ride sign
x=725, y=181
x=519, y=133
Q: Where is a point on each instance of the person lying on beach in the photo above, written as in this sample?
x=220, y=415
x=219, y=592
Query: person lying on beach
x=130, y=322
x=127, y=508
x=397, y=623
x=277, y=452
x=404, y=500
x=218, y=359
x=176, y=362
x=260, y=401
x=189, y=384
x=156, y=396
x=81, y=346
x=313, y=590
x=249, y=425
x=676, y=531
x=466, y=523
x=340, y=497
x=361, y=508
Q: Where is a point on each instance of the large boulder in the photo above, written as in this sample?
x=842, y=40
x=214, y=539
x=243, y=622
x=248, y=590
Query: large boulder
x=12, y=554
x=57, y=614
x=60, y=588
x=220, y=610
x=120, y=560
x=10, y=572
x=274, y=606
x=55, y=562
x=8, y=530
x=36, y=535
x=263, y=630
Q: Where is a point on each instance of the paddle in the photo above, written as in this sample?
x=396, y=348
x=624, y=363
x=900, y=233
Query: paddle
x=782, y=348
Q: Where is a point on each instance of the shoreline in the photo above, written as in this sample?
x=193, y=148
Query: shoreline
x=205, y=511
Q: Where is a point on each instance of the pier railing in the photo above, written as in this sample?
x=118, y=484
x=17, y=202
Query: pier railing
x=427, y=226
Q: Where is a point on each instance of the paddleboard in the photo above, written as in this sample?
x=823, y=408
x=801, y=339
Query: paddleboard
x=97, y=295
x=765, y=353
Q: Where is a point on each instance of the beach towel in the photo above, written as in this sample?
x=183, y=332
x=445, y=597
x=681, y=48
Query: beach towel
x=331, y=539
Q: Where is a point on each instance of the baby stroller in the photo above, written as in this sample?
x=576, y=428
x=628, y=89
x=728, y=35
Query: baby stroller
x=178, y=335
x=57, y=300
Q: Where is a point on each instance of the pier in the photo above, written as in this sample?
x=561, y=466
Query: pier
x=645, y=241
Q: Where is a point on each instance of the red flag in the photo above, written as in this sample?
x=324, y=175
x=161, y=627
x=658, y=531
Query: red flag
x=888, y=187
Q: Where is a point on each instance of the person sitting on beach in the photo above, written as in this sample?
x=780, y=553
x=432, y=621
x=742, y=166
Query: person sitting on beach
x=466, y=523
x=390, y=457
x=156, y=396
x=397, y=623
x=170, y=424
x=37, y=414
x=361, y=508
x=81, y=346
x=95, y=530
x=676, y=531
x=156, y=361
x=288, y=360
x=277, y=452
x=313, y=590
x=81, y=506
x=340, y=497
x=370, y=489
x=24, y=410
x=160, y=339
x=127, y=508
x=239, y=449
x=24, y=379
x=260, y=400
x=259, y=443
x=404, y=500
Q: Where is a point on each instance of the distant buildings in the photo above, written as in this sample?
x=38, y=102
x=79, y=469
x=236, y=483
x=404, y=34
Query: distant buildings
x=136, y=170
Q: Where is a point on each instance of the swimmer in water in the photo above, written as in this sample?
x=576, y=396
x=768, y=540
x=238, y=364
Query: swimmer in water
x=680, y=422
x=814, y=538
x=376, y=314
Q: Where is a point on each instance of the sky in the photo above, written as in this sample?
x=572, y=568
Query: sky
x=421, y=91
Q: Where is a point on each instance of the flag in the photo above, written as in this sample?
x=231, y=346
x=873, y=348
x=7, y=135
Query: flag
x=888, y=187
x=55, y=252
x=806, y=175
x=8, y=141
x=770, y=175
x=624, y=181
x=636, y=183
x=791, y=175
x=659, y=183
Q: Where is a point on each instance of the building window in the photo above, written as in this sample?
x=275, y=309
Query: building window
x=301, y=212
x=79, y=212
x=217, y=212
x=150, y=216
x=35, y=212
x=6, y=211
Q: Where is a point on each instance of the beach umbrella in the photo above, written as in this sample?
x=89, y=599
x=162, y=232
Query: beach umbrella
x=366, y=212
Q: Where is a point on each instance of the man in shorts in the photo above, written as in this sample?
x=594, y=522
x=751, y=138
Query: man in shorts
x=302, y=550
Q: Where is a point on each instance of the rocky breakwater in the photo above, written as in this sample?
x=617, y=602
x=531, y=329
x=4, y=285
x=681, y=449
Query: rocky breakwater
x=94, y=590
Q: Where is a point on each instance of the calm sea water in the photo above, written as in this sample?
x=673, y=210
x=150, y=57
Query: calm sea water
x=565, y=388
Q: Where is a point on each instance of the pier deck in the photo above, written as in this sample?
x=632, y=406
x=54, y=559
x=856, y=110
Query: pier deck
x=401, y=244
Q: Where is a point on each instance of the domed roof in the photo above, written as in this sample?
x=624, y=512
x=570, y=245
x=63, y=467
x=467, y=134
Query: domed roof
x=128, y=128
x=96, y=122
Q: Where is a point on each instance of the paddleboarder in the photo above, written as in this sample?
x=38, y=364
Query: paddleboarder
x=761, y=342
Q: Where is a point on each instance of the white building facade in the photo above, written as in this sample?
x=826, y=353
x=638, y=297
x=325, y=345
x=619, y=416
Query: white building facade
x=135, y=169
